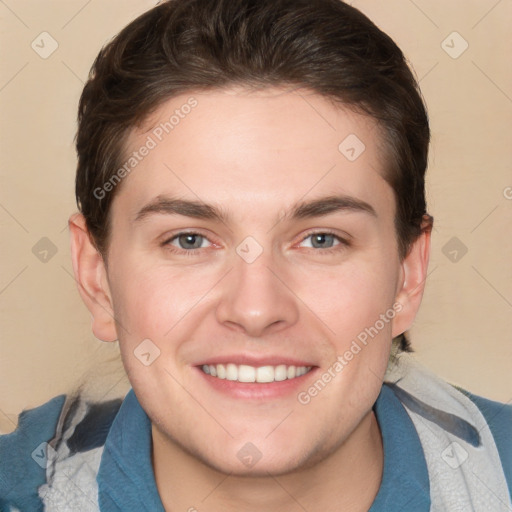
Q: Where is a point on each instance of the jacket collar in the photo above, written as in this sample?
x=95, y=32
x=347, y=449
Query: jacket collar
x=126, y=480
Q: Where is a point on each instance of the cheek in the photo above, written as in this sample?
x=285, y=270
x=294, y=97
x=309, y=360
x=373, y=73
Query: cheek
x=150, y=300
x=139, y=307
x=351, y=297
x=351, y=302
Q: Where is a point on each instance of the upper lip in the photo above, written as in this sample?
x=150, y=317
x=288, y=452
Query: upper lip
x=256, y=361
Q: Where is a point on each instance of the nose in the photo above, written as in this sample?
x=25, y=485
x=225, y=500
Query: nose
x=256, y=299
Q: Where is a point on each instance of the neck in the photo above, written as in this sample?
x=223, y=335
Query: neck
x=348, y=479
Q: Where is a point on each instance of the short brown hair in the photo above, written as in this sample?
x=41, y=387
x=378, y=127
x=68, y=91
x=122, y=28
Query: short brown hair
x=180, y=46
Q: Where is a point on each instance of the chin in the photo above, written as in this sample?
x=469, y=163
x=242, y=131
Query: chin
x=264, y=467
x=262, y=458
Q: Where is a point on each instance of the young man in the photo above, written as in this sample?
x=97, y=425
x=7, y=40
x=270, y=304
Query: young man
x=253, y=231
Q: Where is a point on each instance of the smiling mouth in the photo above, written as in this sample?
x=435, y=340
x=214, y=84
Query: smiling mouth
x=261, y=374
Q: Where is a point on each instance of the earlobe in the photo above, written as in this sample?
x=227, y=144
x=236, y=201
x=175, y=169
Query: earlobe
x=414, y=269
x=91, y=277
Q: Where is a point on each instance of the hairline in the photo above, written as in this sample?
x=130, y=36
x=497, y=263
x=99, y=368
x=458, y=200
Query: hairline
x=142, y=125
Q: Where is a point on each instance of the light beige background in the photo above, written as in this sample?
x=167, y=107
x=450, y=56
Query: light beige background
x=464, y=330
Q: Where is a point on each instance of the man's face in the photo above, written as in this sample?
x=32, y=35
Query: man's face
x=293, y=258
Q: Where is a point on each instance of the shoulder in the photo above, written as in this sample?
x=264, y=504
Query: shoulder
x=23, y=455
x=57, y=430
x=499, y=418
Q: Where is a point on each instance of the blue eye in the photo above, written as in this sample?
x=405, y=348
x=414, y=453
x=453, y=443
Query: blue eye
x=188, y=241
x=191, y=242
x=322, y=240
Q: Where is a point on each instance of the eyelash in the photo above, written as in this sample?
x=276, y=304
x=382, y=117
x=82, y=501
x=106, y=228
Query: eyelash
x=343, y=243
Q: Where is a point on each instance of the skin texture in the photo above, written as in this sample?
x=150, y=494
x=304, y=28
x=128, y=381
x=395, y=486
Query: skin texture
x=254, y=156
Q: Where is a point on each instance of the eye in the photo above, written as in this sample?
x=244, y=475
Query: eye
x=188, y=241
x=322, y=241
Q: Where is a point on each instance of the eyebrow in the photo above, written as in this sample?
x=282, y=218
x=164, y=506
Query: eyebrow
x=303, y=210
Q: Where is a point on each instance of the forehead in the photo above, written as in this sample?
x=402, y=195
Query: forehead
x=267, y=149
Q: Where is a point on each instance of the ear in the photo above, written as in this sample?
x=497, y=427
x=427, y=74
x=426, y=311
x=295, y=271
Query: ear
x=413, y=274
x=91, y=277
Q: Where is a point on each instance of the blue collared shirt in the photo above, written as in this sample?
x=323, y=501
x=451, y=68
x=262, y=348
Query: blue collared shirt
x=126, y=481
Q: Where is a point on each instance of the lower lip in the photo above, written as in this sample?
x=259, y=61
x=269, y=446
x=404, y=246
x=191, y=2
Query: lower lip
x=254, y=390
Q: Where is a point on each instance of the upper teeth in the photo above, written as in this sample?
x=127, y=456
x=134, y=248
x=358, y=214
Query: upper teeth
x=245, y=373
